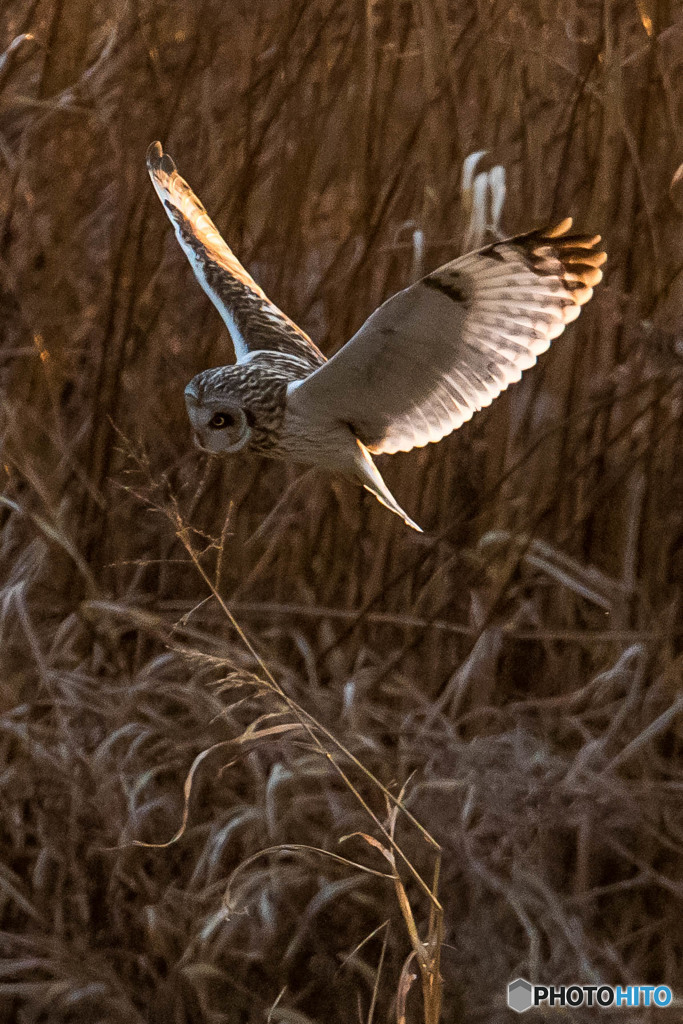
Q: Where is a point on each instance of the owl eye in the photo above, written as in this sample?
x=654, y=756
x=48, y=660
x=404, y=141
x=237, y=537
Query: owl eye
x=220, y=420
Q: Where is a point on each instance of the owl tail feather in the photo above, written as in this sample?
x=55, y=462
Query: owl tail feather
x=369, y=476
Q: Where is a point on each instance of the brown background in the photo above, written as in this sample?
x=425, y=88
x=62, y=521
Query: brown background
x=320, y=135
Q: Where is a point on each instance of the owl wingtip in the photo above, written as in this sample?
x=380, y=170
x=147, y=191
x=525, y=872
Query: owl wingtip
x=154, y=155
x=157, y=160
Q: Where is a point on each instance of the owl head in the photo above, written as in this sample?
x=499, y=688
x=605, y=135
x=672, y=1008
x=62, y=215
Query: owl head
x=219, y=423
x=237, y=406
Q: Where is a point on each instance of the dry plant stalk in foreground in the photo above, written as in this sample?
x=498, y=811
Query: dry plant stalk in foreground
x=426, y=954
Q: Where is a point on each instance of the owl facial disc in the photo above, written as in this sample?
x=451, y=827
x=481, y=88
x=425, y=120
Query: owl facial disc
x=219, y=426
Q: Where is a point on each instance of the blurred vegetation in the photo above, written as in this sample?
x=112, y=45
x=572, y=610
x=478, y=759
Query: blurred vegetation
x=522, y=658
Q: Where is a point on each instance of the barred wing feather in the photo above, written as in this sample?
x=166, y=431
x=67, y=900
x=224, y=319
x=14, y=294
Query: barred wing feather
x=434, y=354
x=254, y=322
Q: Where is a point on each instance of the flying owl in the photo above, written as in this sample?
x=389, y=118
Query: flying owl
x=417, y=369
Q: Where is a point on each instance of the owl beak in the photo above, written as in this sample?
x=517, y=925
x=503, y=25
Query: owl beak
x=192, y=403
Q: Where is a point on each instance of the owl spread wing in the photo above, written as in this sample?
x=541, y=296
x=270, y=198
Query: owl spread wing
x=434, y=354
x=255, y=324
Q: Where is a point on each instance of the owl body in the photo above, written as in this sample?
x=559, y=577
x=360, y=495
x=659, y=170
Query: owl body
x=419, y=368
x=324, y=442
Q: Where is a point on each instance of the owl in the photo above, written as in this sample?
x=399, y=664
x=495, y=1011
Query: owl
x=418, y=368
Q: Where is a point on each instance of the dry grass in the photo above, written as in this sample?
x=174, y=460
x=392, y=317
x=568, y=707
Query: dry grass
x=512, y=678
